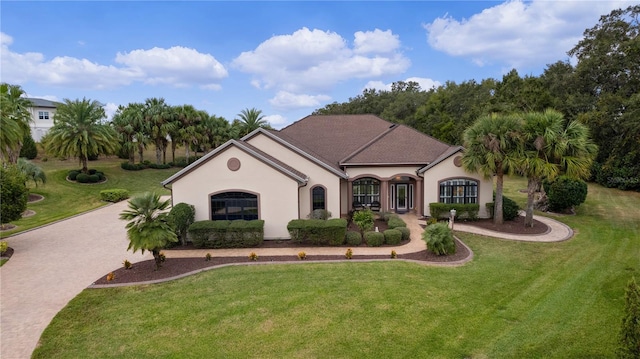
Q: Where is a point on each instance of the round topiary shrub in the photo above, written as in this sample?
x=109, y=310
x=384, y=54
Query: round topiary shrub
x=406, y=233
x=374, y=239
x=82, y=178
x=73, y=174
x=439, y=239
x=565, y=193
x=392, y=237
x=510, y=209
x=354, y=238
x=94, y=178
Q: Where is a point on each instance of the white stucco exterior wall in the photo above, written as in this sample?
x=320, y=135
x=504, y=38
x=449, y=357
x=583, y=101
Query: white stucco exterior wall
x=277, y=193
x=317, y=175
x=382, y=172
x=448, y=170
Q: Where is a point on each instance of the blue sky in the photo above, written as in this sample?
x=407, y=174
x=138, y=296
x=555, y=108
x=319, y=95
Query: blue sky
x=284, y=58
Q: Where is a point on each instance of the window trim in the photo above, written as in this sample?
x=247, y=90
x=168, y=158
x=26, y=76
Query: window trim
x=257, y=198
x=372, y=196
x=467, y=197
x=324, y=192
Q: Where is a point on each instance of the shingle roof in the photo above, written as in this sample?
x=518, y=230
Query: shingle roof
x=40, y=102
x=361, y=139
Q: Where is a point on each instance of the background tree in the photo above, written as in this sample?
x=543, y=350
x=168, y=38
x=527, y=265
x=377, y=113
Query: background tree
x=181, y=217
x=78, y=132
x=13, y=194
x=251, y=119
x=629, y=337
x=29, y=149
x=14, y=121
x=149, y=227
x=127, y=122
x=494, y=147
x=158, y=116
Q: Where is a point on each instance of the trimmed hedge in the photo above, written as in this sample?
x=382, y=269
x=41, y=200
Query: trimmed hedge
x=466, y=211
x=406, y=233
x=354, y=238
x=114, y=195
x=132, y=167
x=374, y=239
x=227, y=234
x=82, y=178
x=331, y=232
x=392, y=236
x=509, y=209
x=395, y=222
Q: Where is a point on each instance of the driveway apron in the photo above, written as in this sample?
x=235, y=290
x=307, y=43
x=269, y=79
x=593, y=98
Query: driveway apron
x=50, y=266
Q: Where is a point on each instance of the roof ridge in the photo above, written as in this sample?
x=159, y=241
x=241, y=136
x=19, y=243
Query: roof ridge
x=371, y=142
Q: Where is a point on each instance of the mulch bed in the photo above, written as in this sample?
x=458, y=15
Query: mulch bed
x=512, y=227
x=145, y=271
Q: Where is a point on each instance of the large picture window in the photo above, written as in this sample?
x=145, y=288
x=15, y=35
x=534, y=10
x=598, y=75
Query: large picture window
x=318, y=199
x=459, y=190
x=366, y=191
x=234, y=205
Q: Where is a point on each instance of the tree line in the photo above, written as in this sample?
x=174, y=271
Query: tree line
x=601, y=91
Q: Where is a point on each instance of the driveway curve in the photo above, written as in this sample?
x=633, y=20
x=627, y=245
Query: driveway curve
x=50, y=266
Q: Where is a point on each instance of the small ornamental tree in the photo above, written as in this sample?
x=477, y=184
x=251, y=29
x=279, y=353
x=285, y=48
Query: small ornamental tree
x=13, y=194
x=181, y=217
x=630, y=331
x=364, y=220
x=149, y=227
x=439, y=239
x=29, y=149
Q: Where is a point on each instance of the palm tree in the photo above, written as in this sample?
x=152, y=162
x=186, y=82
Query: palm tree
x=185, y=131
x=251, y=119
x=149, y=227
x=78, y=132
x=31, y=171
x=158, y=116
x=493, y=147
x=551, y=149
x=125, y=122
x=14, y=120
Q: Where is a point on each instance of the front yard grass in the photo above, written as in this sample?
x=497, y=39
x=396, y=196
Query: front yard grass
x=514, y=300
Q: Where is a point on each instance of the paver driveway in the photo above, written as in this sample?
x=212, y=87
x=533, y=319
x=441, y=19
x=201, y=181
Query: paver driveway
x=50, y=266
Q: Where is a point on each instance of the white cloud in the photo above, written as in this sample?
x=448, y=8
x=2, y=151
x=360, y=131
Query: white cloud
x=376, y=41
x=177, y=66
x=425, y=84
x=316, y=60
x=276, y=121
x=110, y=109
x=518, y=33
x=288, y=100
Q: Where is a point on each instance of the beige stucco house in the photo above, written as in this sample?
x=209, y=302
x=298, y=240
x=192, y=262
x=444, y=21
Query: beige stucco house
x=334, y=162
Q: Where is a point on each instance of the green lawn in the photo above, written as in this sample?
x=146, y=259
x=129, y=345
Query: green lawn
x=515, y=300
x=64, y=199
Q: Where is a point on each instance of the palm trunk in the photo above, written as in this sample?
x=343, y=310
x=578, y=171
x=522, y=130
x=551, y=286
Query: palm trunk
x=173, y=151
x=85, y=168
x=159, y=152
x=186, y=150
x=498, y=216
x=141, y=152
x=532, y=186
x=157, y=259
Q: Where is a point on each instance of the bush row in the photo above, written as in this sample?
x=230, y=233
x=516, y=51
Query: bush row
x=331, y=232
x=114, y=195
x=180, y=162
x=227, y=234
x=92, y=177
x=465, y=211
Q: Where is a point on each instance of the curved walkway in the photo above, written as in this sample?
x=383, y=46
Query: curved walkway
x=54, y=263
x=557, y=232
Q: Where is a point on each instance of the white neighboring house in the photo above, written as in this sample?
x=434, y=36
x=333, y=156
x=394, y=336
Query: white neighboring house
x=42, y=112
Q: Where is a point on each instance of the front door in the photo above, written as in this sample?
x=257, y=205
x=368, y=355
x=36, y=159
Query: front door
x=401, y=197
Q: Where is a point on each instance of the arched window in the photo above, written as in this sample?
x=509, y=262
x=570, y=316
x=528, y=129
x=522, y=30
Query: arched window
x=366, y=191
x=234, y=205
x=459, y=190
x=318, y=198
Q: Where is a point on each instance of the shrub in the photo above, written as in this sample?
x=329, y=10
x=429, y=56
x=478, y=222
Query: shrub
x=92, y=171
x=111, y=276
x=3, y=246
x=127, y=264
x=629, y=337
x=374, y=239
x=227, y=234
x=510, y=208
x=29, y=149
x=94, y=178
x=395, y=222
x=181, y=217
x=465, y=211
x=364, y=220
x=114, y=195
x=394, y=255
x=162, y=166
x=354, y=238
x=82, y=178
x=565, y=193
x=182, y=161
x=13, y=194
x=439, y=239
x=348, y=254
x=207, y=257
x=73, y=174
x=406, y=233
x=386, y=215
x=432, y=220
x=392, y=236
x=318, y=232
x=302, y=255
x=253, y=256
x=132, y=167
x=320, y=214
